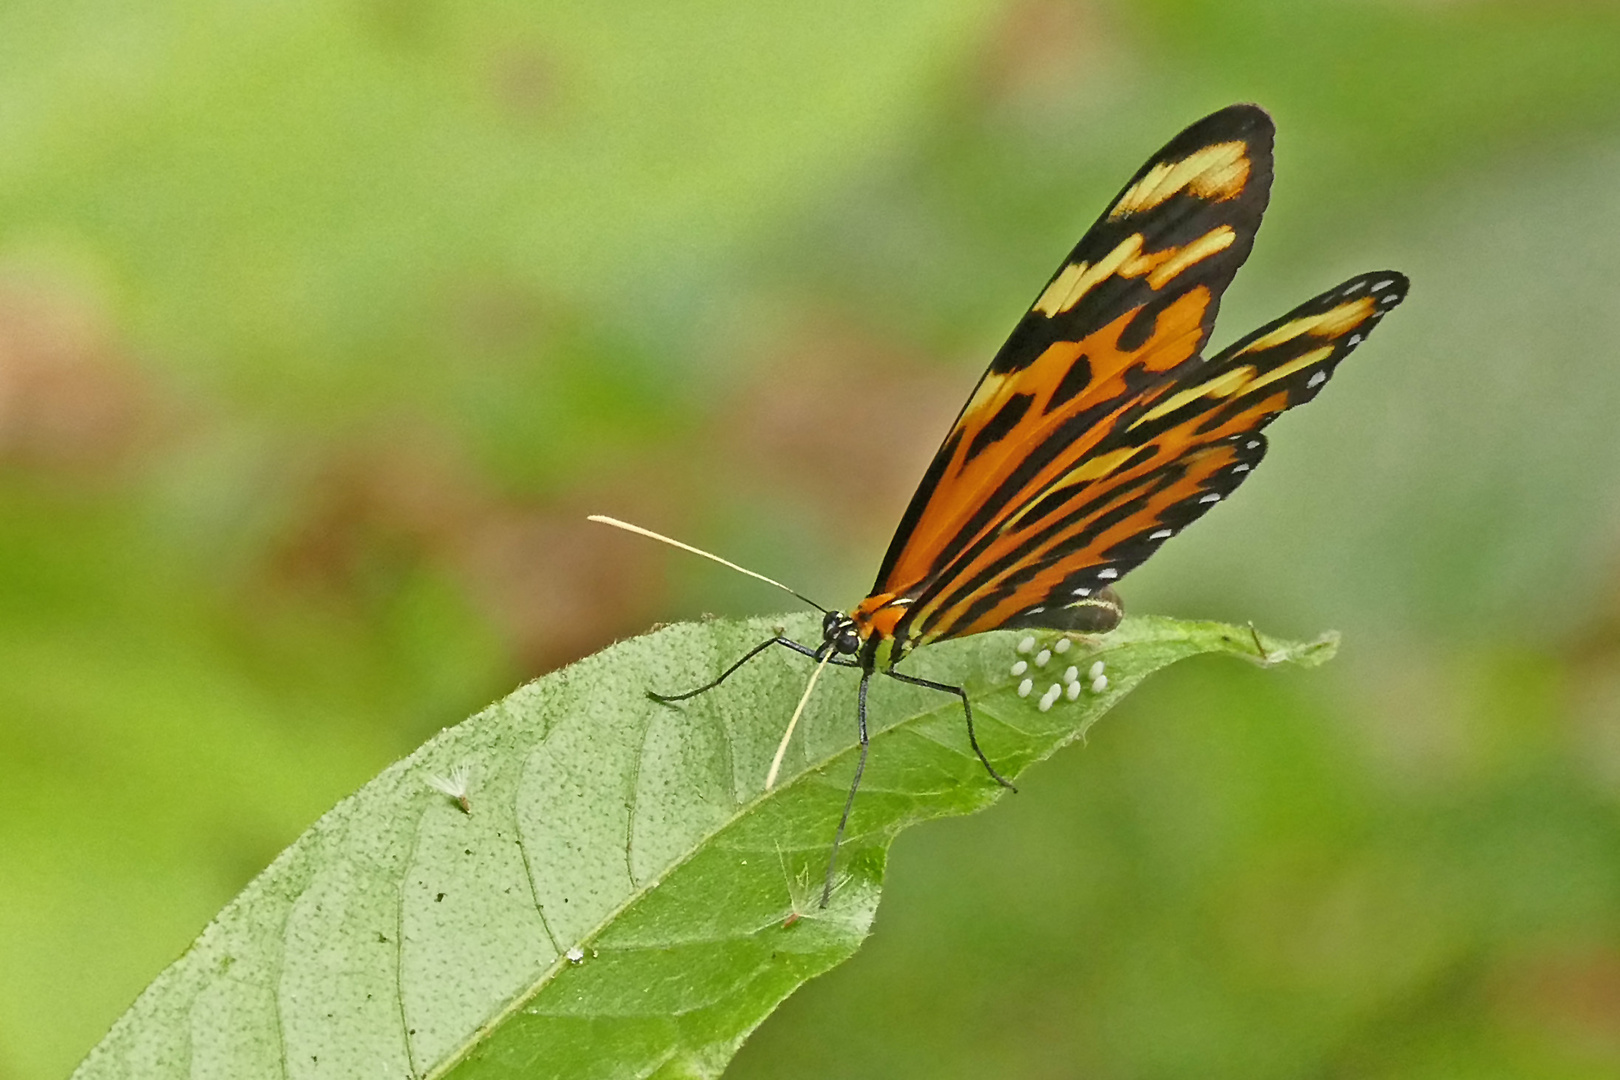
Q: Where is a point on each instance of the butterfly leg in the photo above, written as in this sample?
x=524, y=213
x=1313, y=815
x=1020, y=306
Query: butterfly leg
x=855, y=785
x=967, y=710
x=804, y=650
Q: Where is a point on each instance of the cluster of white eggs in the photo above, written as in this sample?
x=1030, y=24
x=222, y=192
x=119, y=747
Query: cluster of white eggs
x=1072, y=684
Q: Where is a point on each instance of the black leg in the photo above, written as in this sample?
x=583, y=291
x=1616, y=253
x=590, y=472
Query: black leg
x=967, y=710
x=855, y=785
x=803, y=650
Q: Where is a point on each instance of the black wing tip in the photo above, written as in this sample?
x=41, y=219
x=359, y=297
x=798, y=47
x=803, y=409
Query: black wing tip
x=1246, y=113
x=1249, y=124
x=1390, y=280
x=1244, y=120
x=1389, y=287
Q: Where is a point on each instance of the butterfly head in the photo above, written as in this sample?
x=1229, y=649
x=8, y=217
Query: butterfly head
x=838, y=631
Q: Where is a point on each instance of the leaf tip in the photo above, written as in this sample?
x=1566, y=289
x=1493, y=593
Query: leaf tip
x=1308, y=654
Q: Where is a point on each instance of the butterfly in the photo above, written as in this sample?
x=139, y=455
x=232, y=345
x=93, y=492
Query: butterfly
x=1100, y=429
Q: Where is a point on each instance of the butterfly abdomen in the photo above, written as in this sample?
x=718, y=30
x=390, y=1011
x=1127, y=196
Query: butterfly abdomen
x=876, y=620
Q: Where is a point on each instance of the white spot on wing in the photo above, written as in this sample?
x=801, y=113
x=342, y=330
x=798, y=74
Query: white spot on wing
x=1316, y=380
x=1108, y=573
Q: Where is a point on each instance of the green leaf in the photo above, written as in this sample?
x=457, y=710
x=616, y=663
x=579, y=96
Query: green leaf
x=402, y=936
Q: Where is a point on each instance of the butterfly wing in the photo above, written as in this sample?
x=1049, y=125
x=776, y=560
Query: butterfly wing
x=1099, y=431
x=1132, y=304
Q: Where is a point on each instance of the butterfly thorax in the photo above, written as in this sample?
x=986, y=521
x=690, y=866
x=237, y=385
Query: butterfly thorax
x=873, y=625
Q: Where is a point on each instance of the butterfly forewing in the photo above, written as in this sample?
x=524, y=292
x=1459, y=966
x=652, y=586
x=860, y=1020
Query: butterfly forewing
x=1129, y=309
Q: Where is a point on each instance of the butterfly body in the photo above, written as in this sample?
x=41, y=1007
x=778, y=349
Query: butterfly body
x=1101, y=429
x=876, y=633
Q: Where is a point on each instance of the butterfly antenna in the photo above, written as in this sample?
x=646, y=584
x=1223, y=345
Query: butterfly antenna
x=603, y=519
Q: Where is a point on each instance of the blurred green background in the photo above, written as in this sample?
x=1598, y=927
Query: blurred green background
x=322, y=325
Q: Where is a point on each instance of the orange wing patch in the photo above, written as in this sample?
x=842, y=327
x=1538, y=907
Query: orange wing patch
x=1009, y=415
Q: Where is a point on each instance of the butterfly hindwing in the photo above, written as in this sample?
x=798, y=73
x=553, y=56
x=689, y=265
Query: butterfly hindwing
x=1176, y=450
x=1283, y=364
x=1081, y=538
x=1129, y=309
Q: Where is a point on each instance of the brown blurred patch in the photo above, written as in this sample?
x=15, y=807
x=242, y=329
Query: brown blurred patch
x=1046, y=54
x=556, y=586
x=402, y=492
x=70, y=397
x=490, y=317
x=1593, y=660
x=846, y=420
x=560, y=586
x=525, y=81
x=1571, y=998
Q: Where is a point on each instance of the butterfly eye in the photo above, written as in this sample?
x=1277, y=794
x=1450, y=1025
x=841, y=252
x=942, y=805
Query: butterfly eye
x=849, y=642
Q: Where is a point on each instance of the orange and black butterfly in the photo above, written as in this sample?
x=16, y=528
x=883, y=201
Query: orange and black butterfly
x=1100, y=430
